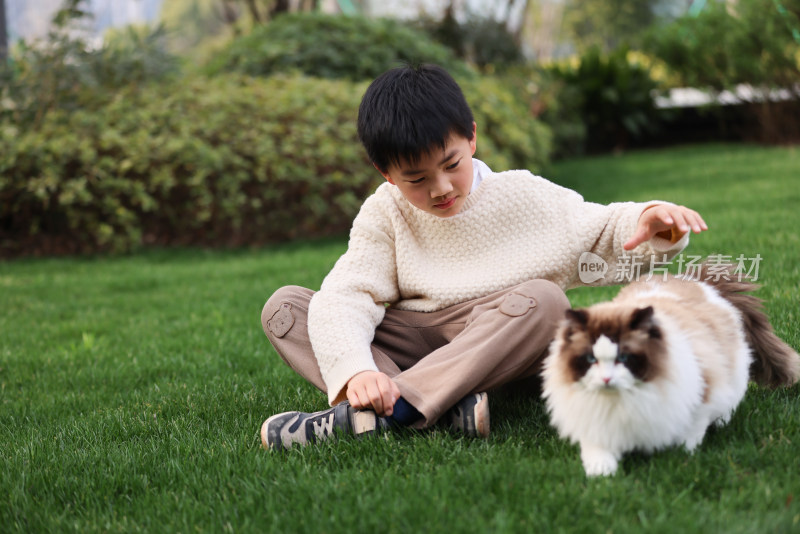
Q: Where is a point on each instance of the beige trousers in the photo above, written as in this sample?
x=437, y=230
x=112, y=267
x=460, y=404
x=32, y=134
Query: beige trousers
x=436, y=358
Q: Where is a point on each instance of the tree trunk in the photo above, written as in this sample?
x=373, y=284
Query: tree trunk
x=254, y=12
x=3, y=32
x=227, y=12
x=280, y=6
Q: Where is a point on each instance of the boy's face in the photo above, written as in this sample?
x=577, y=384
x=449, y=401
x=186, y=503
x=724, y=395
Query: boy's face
x=439, y=182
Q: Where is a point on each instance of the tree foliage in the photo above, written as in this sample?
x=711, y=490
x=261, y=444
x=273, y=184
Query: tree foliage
x=197, y=28
x=755, y=42
x=481, y=41
x=62, y=72
x=607, y=24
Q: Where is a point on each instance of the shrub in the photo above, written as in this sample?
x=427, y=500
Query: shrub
x=133, y=55
x=225, y=161
x=754, y=43
x=509, y=136
x=616, y=97
x=552, y=101
x=332, y=46
x=63, y=72
x=207, y=162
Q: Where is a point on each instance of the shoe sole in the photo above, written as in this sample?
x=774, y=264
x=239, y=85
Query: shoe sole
x=265, y=433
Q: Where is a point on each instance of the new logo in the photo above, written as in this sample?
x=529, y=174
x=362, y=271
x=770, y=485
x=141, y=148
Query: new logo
x=591, y=267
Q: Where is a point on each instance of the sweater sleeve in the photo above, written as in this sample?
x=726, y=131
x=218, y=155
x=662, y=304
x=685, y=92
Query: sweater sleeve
x=343, y=314
x=602, y=230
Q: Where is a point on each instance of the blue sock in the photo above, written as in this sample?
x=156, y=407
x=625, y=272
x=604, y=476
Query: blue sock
x=404, y=414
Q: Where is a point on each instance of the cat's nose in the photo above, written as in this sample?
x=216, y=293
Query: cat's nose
x=606, y=379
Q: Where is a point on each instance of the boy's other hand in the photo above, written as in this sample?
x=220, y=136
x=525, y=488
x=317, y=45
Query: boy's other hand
x=373, y=390
x=666, y=220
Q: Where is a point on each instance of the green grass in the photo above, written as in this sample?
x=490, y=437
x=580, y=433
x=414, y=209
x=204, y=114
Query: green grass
x=132, y=390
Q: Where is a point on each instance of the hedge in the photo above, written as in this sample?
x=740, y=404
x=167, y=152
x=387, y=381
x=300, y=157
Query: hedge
x=332, y=46
x=226, y=161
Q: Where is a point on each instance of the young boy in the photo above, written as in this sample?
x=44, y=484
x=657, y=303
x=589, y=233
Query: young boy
x=454, y=276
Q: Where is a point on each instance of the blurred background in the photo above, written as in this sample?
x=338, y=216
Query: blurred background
x=225, y=123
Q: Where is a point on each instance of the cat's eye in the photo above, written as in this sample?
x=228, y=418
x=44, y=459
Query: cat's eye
x=623, y=357
x=589, y=357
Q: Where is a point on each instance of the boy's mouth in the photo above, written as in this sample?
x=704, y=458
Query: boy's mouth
x=446, y=204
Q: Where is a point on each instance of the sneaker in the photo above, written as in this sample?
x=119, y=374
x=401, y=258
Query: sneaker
x=283, y=430
x=470, y=415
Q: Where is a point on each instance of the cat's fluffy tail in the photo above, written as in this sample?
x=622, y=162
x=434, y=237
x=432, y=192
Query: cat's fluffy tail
x=775, y=363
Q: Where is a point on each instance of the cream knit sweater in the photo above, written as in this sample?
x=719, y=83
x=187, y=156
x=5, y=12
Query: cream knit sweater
x=514, y=227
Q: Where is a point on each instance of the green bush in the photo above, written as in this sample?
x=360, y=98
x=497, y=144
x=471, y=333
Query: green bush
x=332, y=46
x=221, y=161
x=553, y=102
x=225, y=161
x=616, y=97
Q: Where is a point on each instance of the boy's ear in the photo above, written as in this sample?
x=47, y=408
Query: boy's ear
x=473, y=143
x=384, y=174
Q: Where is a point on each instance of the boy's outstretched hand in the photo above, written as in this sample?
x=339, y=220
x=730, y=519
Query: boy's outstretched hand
x=373, y=390
x=667, y=220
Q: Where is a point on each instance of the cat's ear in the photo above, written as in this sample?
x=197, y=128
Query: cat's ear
x=642, y=319
x=577, y=317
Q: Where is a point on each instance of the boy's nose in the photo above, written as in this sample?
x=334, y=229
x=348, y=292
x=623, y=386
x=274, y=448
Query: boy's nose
x=441, y=187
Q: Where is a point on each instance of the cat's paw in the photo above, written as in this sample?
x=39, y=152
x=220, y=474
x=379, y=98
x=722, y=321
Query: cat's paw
x=598, y=462
x=723, y=419
x=692, y=442
x=695, y=435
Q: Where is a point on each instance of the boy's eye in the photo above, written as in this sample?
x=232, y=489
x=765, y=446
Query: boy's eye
x=453, y=166
x=417, y=181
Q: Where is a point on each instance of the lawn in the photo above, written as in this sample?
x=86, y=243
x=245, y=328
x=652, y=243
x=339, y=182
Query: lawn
x=132, y=390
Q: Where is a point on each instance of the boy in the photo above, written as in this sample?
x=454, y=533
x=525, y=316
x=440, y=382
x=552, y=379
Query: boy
x=453, y=281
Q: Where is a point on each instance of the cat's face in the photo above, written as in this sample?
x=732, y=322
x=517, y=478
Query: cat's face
x=611, y=348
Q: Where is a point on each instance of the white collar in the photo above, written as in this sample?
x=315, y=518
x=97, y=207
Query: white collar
x=479, y=171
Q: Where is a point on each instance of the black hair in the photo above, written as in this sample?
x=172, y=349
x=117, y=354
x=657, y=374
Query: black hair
x=409, y=111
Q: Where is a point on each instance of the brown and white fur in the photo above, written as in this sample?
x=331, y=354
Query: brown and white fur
x=657, y=365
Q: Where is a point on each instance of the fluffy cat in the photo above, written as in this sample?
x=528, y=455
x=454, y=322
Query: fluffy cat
x=658, y=364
